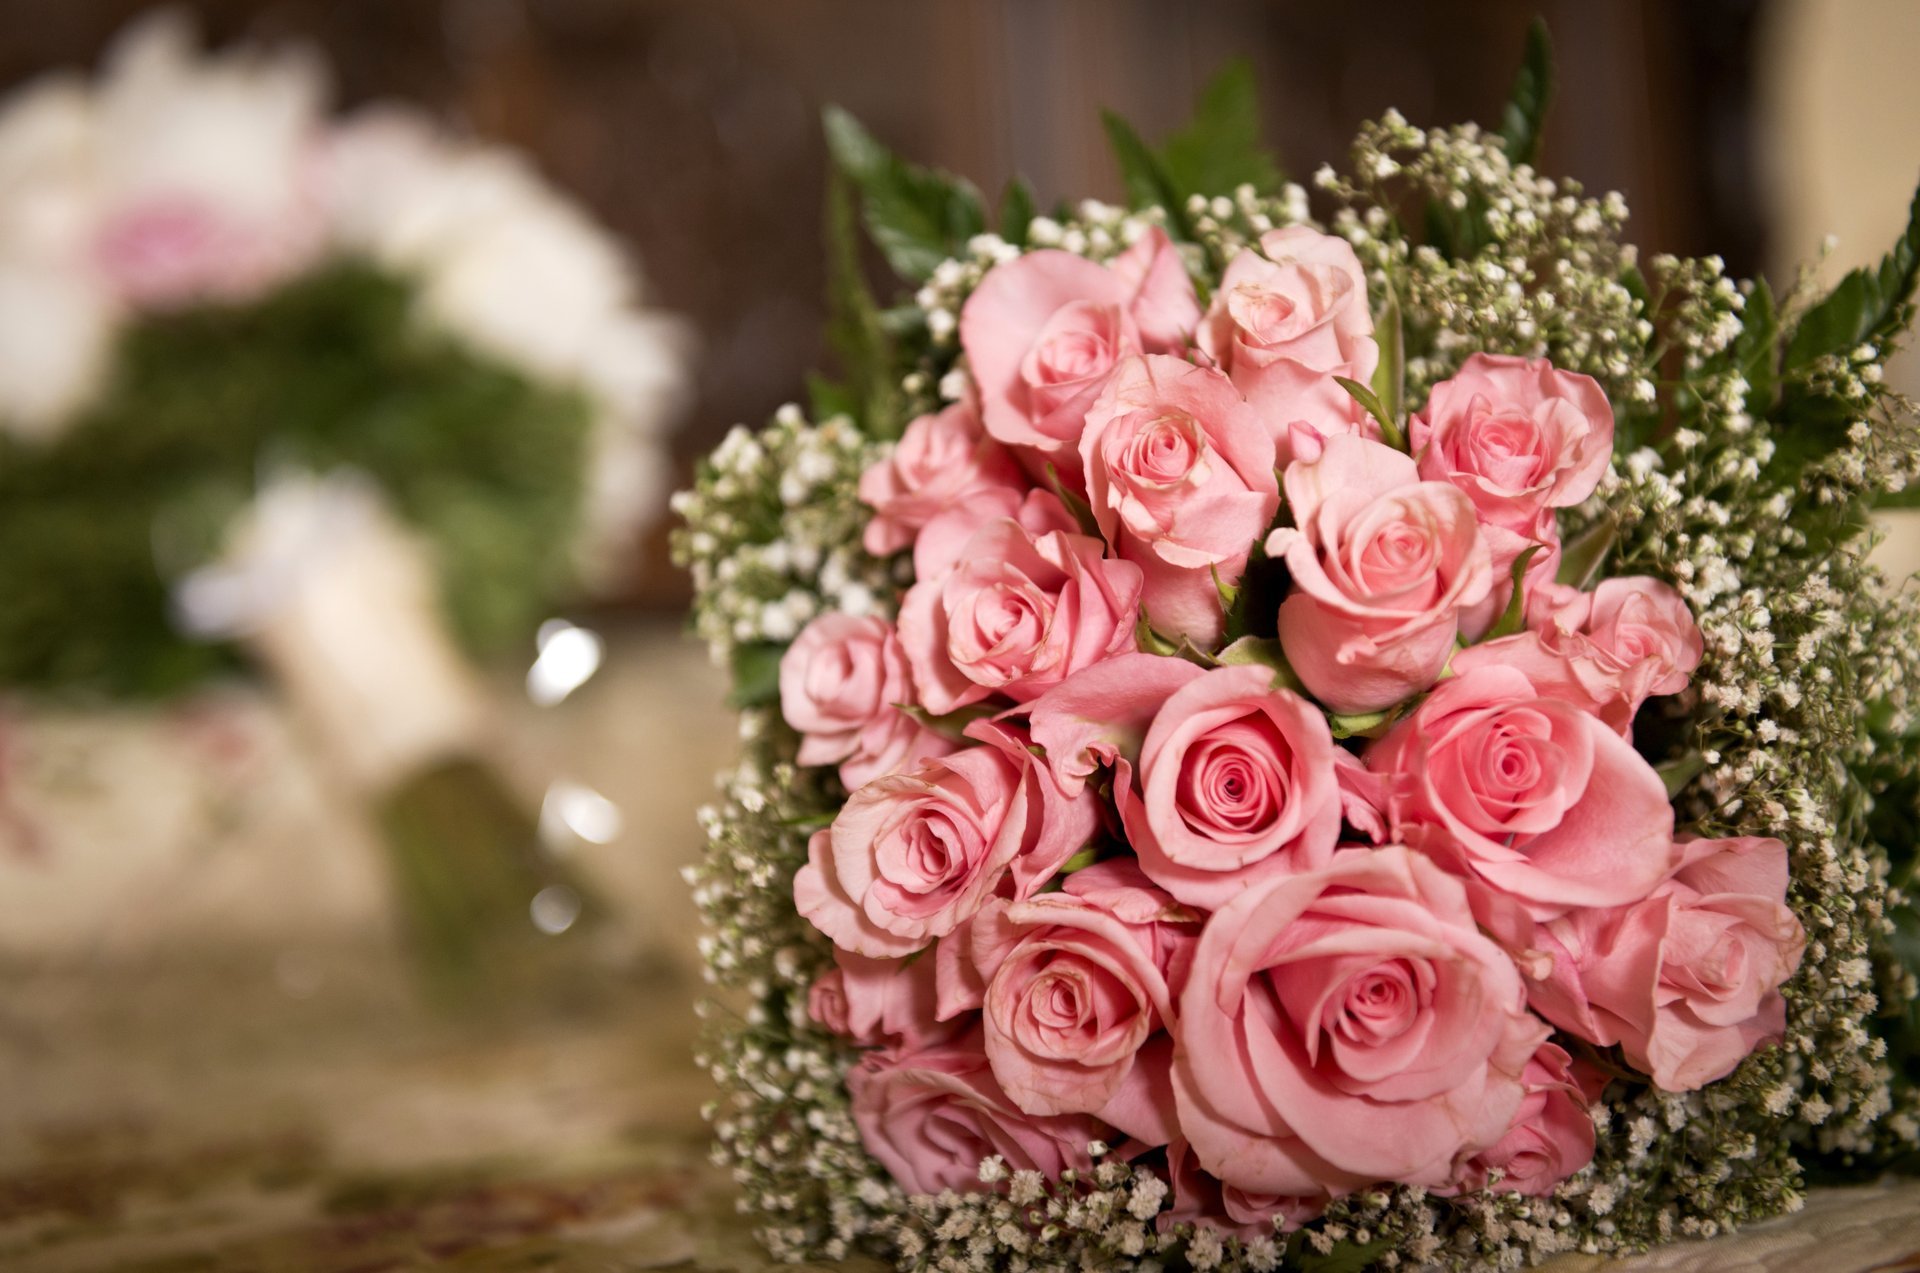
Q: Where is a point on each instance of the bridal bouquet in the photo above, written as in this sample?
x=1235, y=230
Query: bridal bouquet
x=349, y=399
x=208, y=284
x=1313, y=732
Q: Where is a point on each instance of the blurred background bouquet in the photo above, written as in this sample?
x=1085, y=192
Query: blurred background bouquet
x=354, y=401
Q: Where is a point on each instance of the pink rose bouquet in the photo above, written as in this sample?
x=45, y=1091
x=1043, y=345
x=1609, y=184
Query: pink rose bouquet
x=1275, y=751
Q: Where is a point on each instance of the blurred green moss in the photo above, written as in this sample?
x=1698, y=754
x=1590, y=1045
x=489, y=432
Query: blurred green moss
x=332, y=371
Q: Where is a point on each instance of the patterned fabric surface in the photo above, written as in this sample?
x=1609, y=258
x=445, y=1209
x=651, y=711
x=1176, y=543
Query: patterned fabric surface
x=213, y=1060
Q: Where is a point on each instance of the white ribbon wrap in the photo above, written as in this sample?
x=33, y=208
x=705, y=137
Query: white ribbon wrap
x=336, y=599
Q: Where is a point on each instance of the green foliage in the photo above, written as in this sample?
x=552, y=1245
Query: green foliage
x=1370, y=402
x=952, y=726
x=1513, y=618
x=1073, y=502
x=1459, y=233
x=1216, y=153
x=1362, y=724
x=1390, y=376
x=1868, y=305
x=1016, y=212
x=1583, y=555
x=756, y=674
x=1757, y=350
x=919, y=217
x=871, y=391
x=332, y=371
x=1253, y=651
x=1526, y=110
x=1343, y=1257
x=1220, y=150
x=1144, y=173
x=1256, y=598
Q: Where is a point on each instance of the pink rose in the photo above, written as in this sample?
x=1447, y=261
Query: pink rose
x=941, y=460
x=911, y=856
x=840, y=682
x=1042, y=333
x=1075, y=983
x=1363, y=797
x=1608, y=650
x=1382, y=566
x=1347, y=1026
x=167, y=252
x=1179, y=473
x=1285, y=321
x=1236, y=784
x=1550, y=1139
x=1017, y=614
x=1200, y=1199
x=1531, y=797
x=1163, y=304
x=1687, y=981
x=930, y=1115
x=876, y=1001
x=1101, y=716
x=1517, y=435
x=827, y=1003
x=943, y=541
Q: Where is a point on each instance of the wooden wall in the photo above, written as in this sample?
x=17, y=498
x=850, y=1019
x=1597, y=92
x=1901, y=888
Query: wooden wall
x=690, y=126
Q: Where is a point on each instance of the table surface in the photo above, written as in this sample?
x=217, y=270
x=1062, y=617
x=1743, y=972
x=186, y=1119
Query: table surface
x=203, y=1067
x=231, y=1110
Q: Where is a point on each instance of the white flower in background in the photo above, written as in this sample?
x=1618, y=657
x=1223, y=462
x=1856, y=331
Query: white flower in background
x=504, y=261
x=204, y=166
x=178, y=176
x=55, y=334
x=46, y=148
x=55, y=321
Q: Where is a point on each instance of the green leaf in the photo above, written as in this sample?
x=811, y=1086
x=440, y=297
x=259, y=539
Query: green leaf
x=1216, y=153
x=1345, y=1257
x=1532, y=93
x=1220, y=150
x=1262, y=652
x=1146, y=179
x=1390, y=376
x=1150, y=641
x=1679, y=772
x=1389, y=427
x=918, y=216
x=952, y=726
x=854, y=330
x=1081, y=511
x=1581, y=558
x=1256, y=595
x=1513, y=618
x=1361, y=724
x=1757, y=350
x=1868, y=305
x=756, y=673
x=1229, y=594
x=1016, y=212
x=1081, y=861
x=828, y=398
x=1456, y=233
x=808, y=821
